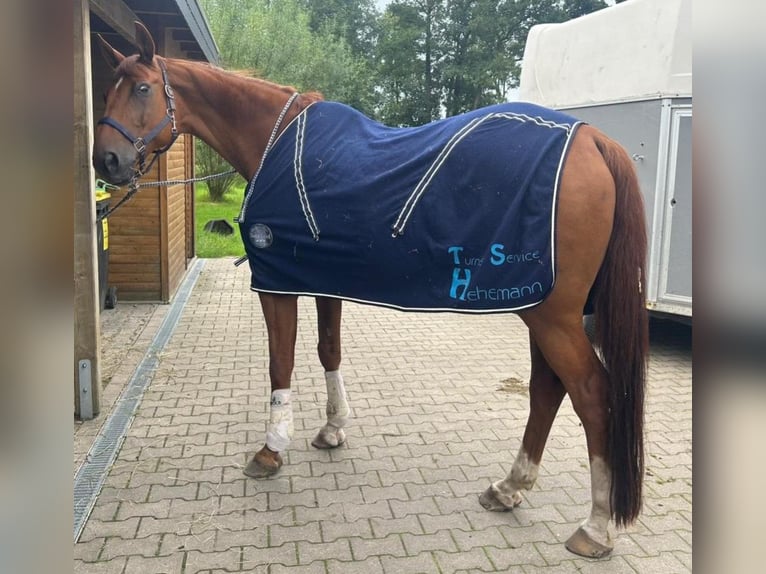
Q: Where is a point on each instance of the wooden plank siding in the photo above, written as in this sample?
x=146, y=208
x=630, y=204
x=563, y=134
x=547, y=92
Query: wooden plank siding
x=190, y=211
x=176, y=215
x=134, y=244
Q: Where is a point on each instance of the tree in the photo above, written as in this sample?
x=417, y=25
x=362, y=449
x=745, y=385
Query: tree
x=408, y=55
x=440, y=57
x=274, y=39
x=210, y=163
x=355, y=22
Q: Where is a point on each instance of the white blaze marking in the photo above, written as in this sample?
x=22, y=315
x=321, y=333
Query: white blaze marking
x=117, y=85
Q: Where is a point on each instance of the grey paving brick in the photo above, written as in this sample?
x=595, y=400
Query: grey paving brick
x=309, y=532
x=137, y=494
x=313, y=568
x=394, y=492
x=306, y=498
x=417, y=543
x=160, y=509
x=333, y=513
x=89, y=551
x=432, y=428
x=323, y=482
x=436, y=522
x=114, y=566
x=382, y=527
x=287, y=555
x=450, y=562
x=310, y=551
x=95, y=528
x=226, y=560
x=468, y=539
x=148, y=546
x=525, y=554
x=351, y=495
x=370, y=565
x=390, y=545
x=379, y=509
x=155, y=565
x=182, y=491
x=401, y=508
x=359, y=528
x=654, y=544
x=105, y=512
x=371, y=478
x=424, y=563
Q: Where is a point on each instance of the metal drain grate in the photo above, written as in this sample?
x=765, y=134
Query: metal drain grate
x=91, y=474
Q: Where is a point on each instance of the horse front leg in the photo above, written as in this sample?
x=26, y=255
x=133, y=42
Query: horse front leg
x=281, y=315
x=331, y=435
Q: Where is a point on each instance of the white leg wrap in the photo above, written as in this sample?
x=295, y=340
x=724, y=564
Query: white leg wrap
x=332, y=433
x=280, y=427
x=337, y=410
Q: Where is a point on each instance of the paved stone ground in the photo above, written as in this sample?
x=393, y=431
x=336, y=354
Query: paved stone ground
x=439, y=405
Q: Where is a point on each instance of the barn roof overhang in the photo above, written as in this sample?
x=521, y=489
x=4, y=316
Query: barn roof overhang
x=184, y=19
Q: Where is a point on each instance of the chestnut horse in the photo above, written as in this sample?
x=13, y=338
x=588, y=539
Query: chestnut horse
x=601, y=245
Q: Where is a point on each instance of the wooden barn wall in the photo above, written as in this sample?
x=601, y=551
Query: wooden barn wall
x=176, y=215
x=135, y=247
x=190, y=211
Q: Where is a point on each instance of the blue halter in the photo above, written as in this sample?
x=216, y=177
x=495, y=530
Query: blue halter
x=140, y=143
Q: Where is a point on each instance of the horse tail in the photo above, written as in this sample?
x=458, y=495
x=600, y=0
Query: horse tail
x=622, y=333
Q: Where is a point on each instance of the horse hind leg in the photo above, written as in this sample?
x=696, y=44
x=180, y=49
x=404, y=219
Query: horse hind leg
x=570, y=354
x=545, y=395
x=331, y=435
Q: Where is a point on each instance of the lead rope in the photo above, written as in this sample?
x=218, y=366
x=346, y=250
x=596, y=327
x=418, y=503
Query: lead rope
x=134, y=186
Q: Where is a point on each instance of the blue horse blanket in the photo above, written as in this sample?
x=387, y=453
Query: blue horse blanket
x=456, y=215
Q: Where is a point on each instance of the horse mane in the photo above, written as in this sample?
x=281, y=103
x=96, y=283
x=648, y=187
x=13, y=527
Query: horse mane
x=306, y=98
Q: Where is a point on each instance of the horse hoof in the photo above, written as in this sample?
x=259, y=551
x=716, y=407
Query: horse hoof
x=263, y=464
x=326, y=439
x=581, y=543
x=492, y=499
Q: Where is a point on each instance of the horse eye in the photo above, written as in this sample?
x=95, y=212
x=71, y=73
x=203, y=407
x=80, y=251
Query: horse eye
x=143, y=89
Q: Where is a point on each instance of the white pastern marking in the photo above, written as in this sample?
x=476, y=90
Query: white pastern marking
x=598, y=522
x=522, y=476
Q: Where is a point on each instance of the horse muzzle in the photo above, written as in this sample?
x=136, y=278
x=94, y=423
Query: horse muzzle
x=115, y=164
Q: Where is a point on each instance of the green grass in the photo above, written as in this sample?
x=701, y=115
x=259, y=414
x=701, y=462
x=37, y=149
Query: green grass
x=212, y=244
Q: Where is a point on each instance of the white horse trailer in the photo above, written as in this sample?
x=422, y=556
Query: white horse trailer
x=627, y=70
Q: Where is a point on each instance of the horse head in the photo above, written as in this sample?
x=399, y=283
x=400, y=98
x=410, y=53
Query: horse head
x=140, y=112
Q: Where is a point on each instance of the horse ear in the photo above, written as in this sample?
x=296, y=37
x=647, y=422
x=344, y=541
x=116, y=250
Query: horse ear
x=112, y=56
x=145, y=44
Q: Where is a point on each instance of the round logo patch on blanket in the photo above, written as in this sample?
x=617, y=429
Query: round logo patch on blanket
x=260, y=236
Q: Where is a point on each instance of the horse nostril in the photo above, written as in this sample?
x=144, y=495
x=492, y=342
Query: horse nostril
x=112, y=163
